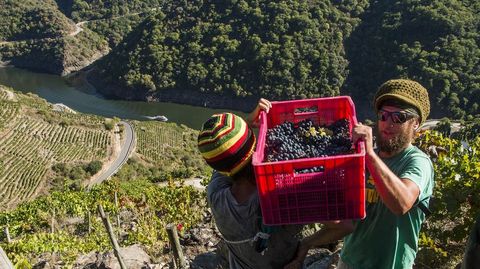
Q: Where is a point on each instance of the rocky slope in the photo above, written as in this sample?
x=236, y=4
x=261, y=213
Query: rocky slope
x=202, y=247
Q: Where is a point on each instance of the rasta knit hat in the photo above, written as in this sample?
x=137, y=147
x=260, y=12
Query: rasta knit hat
x=226, y=143
x=407, y=91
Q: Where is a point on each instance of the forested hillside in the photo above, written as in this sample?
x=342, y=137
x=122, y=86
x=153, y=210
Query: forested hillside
x=282, y=50
x=35, y=34
x=434, y=42
x=301, y=49
x=32, y=19
x=82, y=10
x=60, y=55
x=230, y=53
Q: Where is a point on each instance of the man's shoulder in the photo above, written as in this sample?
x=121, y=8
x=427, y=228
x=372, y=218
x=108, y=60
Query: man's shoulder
x=418, y=157
x=218, y=181
x=416, y=152
x=218, y=185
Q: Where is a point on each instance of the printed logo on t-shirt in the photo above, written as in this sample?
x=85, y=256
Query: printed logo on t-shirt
x=371, y=192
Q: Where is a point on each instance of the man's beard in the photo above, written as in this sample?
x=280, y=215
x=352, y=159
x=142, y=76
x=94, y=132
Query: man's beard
x=393, y=144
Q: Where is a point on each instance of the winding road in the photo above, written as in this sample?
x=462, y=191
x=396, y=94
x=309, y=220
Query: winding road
x=127, y=149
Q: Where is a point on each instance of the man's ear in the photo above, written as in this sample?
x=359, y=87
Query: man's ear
x=416, y=124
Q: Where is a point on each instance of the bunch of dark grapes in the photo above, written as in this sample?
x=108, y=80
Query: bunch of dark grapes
x=307, y=140
x=340, y=141
x=310, y=170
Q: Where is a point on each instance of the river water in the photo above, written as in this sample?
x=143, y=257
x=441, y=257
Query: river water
x=83, y=98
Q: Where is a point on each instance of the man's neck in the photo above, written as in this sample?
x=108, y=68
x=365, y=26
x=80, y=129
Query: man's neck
x=242, y=190
x=384, y=154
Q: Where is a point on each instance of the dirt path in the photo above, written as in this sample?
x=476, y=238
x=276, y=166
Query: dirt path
x=194, y=182
x=78, y=28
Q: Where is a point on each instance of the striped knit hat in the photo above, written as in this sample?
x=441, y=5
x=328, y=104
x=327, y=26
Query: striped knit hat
x=226, y=142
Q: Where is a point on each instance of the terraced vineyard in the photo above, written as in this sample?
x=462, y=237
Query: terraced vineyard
x=169, y=146
x=153, y=138
x=33, y=138
x=9, y=106
x=83, y=119
x=8, y=110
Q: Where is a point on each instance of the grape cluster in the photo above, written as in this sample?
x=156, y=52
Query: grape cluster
x=307, y=140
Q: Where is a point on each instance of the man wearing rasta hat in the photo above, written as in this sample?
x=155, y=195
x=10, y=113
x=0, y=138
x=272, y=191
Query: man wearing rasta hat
x=227, y=144
x=399, y=183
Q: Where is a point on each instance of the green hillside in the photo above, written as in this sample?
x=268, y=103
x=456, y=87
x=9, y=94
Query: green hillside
x=434, y=42
x=45, y=158
x=167, y=149
x=282, y=50
x=228, y=54
x=36, y=35
x=81, y=10
x=60, y=55
x=300, y=49
x=32, y=19
x=114, y=30
x=34, y=138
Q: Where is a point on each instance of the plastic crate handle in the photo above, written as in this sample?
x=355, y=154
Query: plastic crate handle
x=259, y=154
x=309, y=109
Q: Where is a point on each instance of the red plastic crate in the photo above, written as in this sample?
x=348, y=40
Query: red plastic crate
x=337, y=193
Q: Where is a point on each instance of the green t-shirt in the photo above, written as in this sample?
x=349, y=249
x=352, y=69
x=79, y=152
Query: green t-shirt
x=384, y=240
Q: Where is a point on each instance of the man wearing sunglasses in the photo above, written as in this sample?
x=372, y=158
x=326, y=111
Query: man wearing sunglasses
x=398, y=188
x=399, y=181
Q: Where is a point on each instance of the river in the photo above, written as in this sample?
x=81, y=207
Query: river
x=83, y=98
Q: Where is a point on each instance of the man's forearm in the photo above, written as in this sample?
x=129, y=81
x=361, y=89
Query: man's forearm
x=395, y=194
x=332, y=231
x=328, y=234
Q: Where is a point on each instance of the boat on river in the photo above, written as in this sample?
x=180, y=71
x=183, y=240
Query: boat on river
x=158, y=117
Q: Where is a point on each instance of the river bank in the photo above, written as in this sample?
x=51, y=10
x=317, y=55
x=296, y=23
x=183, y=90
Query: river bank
x=178, y=96
x=75, y=92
